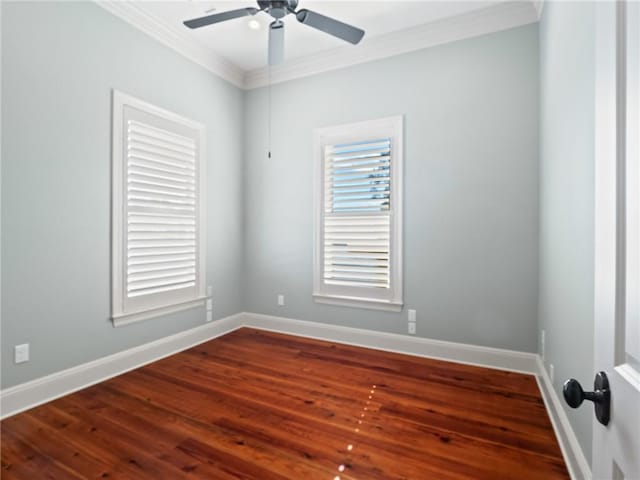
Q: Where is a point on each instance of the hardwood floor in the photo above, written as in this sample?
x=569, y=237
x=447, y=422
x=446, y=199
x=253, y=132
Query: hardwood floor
x=260, y=405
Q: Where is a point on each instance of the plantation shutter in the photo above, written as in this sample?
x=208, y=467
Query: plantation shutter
x=161, y=210
x=357, y=184
x=158, y=230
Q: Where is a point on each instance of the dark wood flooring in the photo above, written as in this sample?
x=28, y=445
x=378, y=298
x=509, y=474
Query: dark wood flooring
x=260, y=405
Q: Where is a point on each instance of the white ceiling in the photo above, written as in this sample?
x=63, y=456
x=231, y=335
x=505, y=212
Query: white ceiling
x=247, y=48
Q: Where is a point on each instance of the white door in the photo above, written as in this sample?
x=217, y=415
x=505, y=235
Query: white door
x=616, y=447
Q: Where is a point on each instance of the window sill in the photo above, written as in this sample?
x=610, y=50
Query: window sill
x=128, y=318
x=355, y=302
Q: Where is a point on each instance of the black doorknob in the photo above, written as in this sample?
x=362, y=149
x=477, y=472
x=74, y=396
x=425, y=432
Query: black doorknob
x=574, y=395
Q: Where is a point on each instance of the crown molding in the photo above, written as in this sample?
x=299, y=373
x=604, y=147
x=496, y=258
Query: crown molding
x=502, y=16
x=483, y=21
x=182, y=44
x=480, y=22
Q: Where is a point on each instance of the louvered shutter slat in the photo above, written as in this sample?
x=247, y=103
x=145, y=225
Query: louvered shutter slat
x=168, y=259
x=356, y=283
x=149, y=252
x=161, y=175
x=167, y=218
x=159, y=182
x=351, y=235
x=144, y=142
x=174, y=192
x=160, y=166
x=338, y=170
x=161, y=244
x=160, y=133
x=160, y=274
x=156, y=159
x=159, y=282
x=355, y=262
x=161, y=289
x=165, y=265
x=139, y=149
x=160, y=235
x=135, y=194
x=358, y=255
x=361, y=148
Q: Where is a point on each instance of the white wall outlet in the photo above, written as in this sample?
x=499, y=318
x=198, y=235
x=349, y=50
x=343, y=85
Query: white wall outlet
x=209, y=315
x=411, y=315
x=21, y=353
x=209, y=290
x=543, y=347
x=551, y=372
x=209, y=305
x=412, y=328
x=281, y=300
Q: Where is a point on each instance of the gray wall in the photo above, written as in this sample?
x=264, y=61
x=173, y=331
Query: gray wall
x=567, y=68
x=60, y=61
x=471, y=188
x=471, y=184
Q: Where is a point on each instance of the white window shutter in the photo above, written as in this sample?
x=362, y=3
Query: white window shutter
x=158, y=211
x=357, y=181
x=161, y=210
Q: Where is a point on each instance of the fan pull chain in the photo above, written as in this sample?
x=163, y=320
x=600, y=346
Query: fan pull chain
x=269, y=113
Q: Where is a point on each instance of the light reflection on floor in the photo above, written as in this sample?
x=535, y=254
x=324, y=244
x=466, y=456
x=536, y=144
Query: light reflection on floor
x=350, y=447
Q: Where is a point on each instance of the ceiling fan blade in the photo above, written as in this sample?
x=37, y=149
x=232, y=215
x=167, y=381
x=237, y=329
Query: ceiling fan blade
x=329, y=25
x=220, y=17
x=276, y=42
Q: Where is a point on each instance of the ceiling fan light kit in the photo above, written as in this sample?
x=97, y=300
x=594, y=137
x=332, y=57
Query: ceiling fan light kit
x=279, y=9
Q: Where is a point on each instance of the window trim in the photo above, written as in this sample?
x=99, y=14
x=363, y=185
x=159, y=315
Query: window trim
x=119, y=317
x=391, y=126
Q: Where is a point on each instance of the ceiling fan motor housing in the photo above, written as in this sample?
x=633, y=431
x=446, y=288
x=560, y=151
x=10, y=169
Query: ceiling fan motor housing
x=278, y=8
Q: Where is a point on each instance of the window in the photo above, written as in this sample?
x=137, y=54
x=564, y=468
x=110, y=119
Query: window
x=358, y=214
x=158, y=211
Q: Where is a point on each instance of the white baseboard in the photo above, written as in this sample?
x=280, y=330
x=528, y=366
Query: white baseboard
x=41, y=390
x=577, y=464
x=392, y=342
x=36, y=392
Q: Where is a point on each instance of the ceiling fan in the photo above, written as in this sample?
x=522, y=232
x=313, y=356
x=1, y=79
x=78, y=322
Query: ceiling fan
x=278, y=9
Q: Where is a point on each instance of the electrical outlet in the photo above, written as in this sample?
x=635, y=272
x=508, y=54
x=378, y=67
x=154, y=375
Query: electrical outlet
x=209, y=290
x=411, y=315
x=281, y=300
x=551, y=372
x=543, y=348
x=412, y=328
x=209, y=315
x=21, y=353
x=209, y=305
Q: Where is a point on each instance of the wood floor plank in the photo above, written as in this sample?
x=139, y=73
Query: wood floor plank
x=26, y=461
x=41, y=435
x=260, y=405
